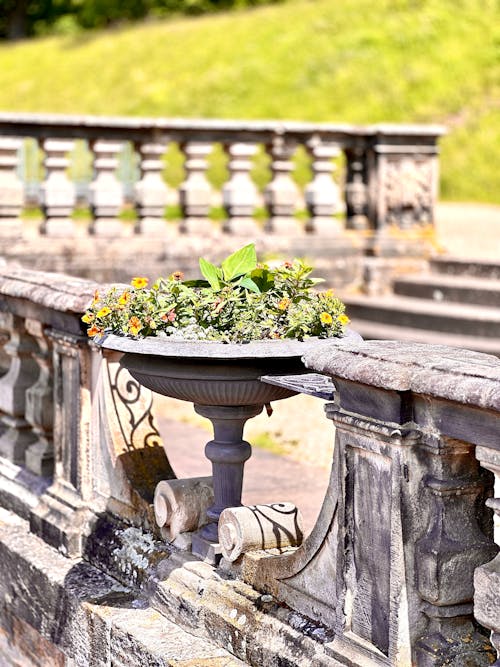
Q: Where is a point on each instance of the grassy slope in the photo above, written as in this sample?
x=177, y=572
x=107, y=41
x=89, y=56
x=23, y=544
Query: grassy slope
x=345, y=60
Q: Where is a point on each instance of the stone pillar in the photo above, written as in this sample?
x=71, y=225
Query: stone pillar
x=402, y=178
x=11, y=189
x=151, y=191
x=195, y=192
x=63, y=518
x=58, y=192
x=239, y=194
x=40, y=404
x=106, y=192
x=487, y=577
x=15, y=431
x=388, y=569
x=322, y=193
x=356, y=189
x=281, y=193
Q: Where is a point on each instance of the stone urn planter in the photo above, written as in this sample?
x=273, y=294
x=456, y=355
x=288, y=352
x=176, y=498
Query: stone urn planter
x=223, y=382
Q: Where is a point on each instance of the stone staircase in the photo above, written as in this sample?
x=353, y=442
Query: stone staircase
x=456, y=303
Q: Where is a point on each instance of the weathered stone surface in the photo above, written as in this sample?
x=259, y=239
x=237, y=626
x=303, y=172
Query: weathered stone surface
x=457, y=375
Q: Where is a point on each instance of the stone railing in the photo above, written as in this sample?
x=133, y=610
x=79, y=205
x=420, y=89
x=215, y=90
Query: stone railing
x=385, y=578
x=390, y=179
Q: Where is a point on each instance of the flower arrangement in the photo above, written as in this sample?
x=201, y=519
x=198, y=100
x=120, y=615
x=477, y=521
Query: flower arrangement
x=238, y=301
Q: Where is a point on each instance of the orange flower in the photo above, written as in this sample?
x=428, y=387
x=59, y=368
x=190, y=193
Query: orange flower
x=169, y=317
x=103, y=312
x=139, y=282
x=134, y=325
x=326, y=318
x=96, y=298
x=124, y=299
x=284, y=303
x=287, y=265
x=88, y=317
x=94, y=331
x=177, y=275
x=343, y=319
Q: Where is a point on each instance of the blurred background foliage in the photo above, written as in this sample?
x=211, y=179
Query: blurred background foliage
x=314, y=60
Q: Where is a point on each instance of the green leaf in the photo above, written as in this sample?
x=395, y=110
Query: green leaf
x=196, y=283
x=240, y=262
x=249, y=284
x=211, y=274
x=263, y=278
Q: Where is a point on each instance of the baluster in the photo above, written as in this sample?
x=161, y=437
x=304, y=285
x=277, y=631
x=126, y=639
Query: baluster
x=487, y=577
x=40, y=405
x=322, y=193
x=151, y=192
x=15, y=432
x=11, y=189
x=356, y=190
x=239, y=194
x=281, y=193
x=195, y=192
x=106, y=192
x=58, y=192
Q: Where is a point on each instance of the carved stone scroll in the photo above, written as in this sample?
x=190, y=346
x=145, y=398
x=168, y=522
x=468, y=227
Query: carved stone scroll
x=181, y=505
x=272, y=526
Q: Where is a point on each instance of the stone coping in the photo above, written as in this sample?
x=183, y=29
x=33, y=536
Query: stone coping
x=444, y=372
x=52, y=290
x=180, y=124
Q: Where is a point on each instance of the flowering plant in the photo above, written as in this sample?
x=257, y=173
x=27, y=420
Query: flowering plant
x=238, y=301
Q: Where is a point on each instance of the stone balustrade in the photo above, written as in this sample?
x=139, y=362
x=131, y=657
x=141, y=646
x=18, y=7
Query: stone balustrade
x=386, y=577
x=390, y=178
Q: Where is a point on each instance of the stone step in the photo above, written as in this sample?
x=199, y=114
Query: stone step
x=401, y=311
x=464, y=267
x=378, y=331
x=454, y=288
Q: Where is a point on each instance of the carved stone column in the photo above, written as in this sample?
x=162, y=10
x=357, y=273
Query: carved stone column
x=151, y=191
x=322, y=193
x=11, y=189
x=281, y=193
x=15, y=431
x=356, y=189
x=40, y=404
x=195, y=192
x=63, y=518
x=239, y=194
x=106, y=192
x=58, y=192
x=487, y=577
x=388, y=568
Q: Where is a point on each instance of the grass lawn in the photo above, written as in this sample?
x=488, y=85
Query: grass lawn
x=324, y=60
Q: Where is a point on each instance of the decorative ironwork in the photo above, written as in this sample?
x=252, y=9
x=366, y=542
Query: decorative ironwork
x=313, y=384
x=129, y=393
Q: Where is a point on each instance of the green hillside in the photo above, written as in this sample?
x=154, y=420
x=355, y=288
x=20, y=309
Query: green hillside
x=325, y=60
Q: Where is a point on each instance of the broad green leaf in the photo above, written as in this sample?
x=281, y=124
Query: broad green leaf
x=196, y=283
x=249, y=284
x=263, y=278
x=210, y=272
x=240, y=262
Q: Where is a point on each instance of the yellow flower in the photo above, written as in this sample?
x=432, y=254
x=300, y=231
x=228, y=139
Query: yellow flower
x=343, y=319
x=103, y=312
x=88, y=317
x=284, y=303
x=326, y=318
x=94, y=331
x=134, y=325
x=124, y=299
x=139, y=282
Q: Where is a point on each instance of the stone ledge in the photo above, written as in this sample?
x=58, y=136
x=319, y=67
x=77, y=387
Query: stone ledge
x=440, y=371
x=86, y=614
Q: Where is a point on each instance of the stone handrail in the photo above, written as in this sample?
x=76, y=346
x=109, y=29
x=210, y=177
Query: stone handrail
x=387, y=575
x=391, y=173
